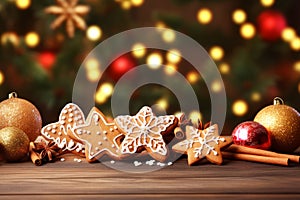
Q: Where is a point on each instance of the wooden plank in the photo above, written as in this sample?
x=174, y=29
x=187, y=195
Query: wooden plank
x=72, y=178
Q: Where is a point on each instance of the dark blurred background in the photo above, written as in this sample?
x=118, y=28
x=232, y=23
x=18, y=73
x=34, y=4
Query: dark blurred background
x=254, y=43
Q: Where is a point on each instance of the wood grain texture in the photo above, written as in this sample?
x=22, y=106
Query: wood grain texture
x=73, y=180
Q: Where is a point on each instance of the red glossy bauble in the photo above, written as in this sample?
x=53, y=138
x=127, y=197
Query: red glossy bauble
x=121, y=65
x=271, y=24
x=252, y=134
x=46, y=59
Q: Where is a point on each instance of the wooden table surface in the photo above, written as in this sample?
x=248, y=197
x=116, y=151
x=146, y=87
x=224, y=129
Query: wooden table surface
x=74, y=180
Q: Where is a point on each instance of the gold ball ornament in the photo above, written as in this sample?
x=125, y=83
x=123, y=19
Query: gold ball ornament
x=283, y=122
x=14, y=144
x=22, y=114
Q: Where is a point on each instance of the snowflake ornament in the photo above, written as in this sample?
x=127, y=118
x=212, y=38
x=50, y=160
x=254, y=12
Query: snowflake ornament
x=146, y=130
x=202, y=143
x=70, y=12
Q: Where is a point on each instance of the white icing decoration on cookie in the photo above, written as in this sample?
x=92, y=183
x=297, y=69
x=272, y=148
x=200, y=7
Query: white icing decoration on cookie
x=207, y=142
x=142, y=127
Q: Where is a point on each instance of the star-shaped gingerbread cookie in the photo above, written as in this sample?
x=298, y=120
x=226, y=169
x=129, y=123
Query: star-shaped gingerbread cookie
x=60, y=132
x=146, y=130
x=202, y=144
x=100, y=137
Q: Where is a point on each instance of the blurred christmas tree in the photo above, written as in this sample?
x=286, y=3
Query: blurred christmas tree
x=254, y=43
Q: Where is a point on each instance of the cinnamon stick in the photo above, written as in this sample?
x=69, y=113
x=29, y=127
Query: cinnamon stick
x=179, y=134
x=256, y=158
x=35, y=158
x=247, y=150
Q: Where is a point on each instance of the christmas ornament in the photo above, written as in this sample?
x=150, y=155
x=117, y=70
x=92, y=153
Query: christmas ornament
x=283, y=123
x=120, y=66
x=46, y=59
x=14, y=144
x=252, y=134
x=68, y=11
x=22, y=114
x=270, y=25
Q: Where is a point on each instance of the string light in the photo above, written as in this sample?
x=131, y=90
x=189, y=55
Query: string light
x=174, y=56
x=94, y=33
x=295, y=44
x=23, y=4
x=224, y=68
x=168, y=36
x=239, y=107
x=170, y=69
x=195, y=116
x=1, y=77
x=216, y=53
x=10, y=37
x=162, y=104
x=137, y=3
x=288, y=34
x=239, y=16
x=255, y=96
x=92, y=64
x=247, y=31
x=192, y=77
x=297, y=66
x=216, y=86
x=138, y=50
x=267, y=3
x=204, y=16
x=32, y=39
x=154, y=60
x=99, y=98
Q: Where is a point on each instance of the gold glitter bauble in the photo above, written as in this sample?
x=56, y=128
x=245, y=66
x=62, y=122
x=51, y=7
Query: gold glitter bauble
x=14, y=144
x=22, y=114
x=283, y=122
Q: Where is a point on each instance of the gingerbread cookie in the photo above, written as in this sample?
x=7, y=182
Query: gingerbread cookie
x=60, y=132
x=202, y=143
x=100, y=137
x=146, y=130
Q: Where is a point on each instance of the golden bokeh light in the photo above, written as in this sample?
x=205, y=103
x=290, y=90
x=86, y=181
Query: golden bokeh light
x=94, y=33
x=106, y=89
x=239, y=107
x=255, y=96
x=10, y=37
x=216, y=86
x=92, y=64
x=100, y=98
x=299, y=87
x=170, y=69
x=174, y=56
x=204, y=16
x=195, y=116
x=247, y=31
x=192, y=77
x=125, y=5
x=297, y=66
x=168, y=35
x=295, y=44
x=32, y=39
x=93, y=75
x=288, y=34
x=162, y=104
x=138, y=50
x=216, y=52
x=1, y=77
x=137, y=3
x=267, y=3
x=160, y=24
x=154, y=60
x=224, y=68
x=239, y=16
x=23, y=4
